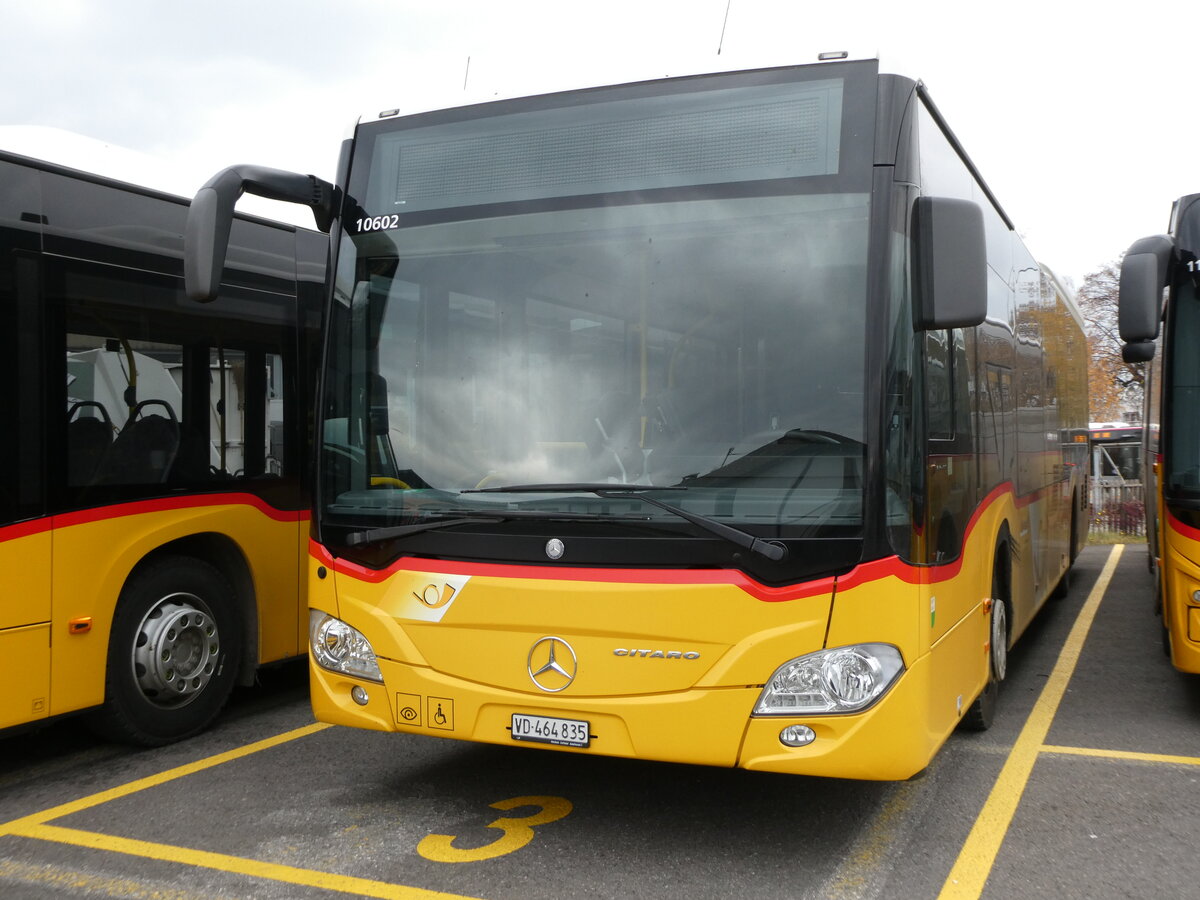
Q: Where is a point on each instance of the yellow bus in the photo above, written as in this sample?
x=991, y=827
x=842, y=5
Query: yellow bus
x=153, y=491
x=1171, y=440
x=720, y=419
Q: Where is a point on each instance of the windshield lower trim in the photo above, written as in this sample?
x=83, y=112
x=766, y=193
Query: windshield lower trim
x=760, y=590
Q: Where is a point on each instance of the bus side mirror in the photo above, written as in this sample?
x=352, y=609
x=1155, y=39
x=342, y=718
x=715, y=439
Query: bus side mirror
x=950, y=264
x=1138, y=351
x=210, y=218
x=1139, y=307
x=205, y=243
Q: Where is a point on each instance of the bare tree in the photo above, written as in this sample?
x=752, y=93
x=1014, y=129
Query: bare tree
x=1114, y=385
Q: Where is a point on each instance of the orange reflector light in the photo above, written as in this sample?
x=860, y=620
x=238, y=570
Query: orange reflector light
x=81, y=625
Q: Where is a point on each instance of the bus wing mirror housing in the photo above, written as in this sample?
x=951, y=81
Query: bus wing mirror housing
x=1139, y=306
x=210, y=218
x=1137, y=351
x=950, y=264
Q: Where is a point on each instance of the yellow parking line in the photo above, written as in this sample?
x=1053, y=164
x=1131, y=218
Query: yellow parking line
x=1125, y=755
x=74, y=882
x=975, y=860
x=142, y=784
x=235, y=864
x=34, y=826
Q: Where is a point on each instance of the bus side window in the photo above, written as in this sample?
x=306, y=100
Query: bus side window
x=951, y=477
x=123, y=411
x=245, y=413
x=996, y=412
x=939, y=386
x=276, y=445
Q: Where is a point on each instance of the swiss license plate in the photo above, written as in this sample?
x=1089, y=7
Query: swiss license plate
x=547, y=730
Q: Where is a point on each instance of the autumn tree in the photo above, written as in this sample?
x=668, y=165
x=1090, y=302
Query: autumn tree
x=1114, y=385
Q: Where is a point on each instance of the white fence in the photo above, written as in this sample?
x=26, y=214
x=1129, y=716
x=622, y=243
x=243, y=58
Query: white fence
x=1117, y=508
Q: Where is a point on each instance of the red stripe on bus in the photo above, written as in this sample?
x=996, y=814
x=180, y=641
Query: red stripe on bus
x=863, y=573
x=137, y=507
x=563, y=573
x=895, y=567
x=24, y=529
x=1187, y=531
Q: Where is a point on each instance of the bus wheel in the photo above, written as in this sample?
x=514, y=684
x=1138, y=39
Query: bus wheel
x=172, y=655
x=1063, y=588
x=1166, y=628
x=1074, y=553
x=983, y=711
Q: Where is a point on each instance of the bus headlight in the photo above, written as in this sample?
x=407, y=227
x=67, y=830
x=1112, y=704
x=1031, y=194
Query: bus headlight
x=341, y=648
x=842, y=680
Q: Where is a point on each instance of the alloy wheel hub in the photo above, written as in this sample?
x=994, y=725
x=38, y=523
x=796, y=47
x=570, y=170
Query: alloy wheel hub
x=175, y=655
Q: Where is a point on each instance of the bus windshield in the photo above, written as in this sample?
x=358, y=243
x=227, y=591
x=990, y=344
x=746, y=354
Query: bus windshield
x=661, y=331
x=1181, y=480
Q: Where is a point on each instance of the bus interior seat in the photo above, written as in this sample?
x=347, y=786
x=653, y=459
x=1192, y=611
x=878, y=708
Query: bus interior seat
x=145, y=449
x=89, y=438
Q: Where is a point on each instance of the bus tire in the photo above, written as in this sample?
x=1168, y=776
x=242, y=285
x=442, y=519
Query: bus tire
x=172, y=653
x=982, y=712
x=1160, y=610
x=1063, y=588
x=1075, y=542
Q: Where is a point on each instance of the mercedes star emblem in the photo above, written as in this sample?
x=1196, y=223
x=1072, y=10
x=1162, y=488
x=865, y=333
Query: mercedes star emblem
x=552, y=664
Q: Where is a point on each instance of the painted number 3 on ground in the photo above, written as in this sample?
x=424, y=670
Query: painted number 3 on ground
x=517, y=831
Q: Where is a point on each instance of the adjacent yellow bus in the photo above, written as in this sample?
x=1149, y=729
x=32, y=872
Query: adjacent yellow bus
x=154, y=512
x=720, y=419
x=1168, y=263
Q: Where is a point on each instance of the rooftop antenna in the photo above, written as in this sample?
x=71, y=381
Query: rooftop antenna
x=467, y=73
x=728, y=3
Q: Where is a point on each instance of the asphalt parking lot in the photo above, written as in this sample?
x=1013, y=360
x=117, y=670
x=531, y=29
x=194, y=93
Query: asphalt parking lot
x=1087, y=786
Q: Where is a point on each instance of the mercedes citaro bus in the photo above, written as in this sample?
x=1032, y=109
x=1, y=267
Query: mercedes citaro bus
x=154, y=508
x=1153, y=267
x=720, y=419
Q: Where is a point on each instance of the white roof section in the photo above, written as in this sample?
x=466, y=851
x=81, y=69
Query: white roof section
x=76, y=151
x=97, y=157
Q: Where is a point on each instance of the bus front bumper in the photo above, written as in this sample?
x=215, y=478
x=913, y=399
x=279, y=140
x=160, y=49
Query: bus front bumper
x=892, y=740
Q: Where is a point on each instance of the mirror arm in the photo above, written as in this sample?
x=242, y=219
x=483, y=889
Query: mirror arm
x=210, y=217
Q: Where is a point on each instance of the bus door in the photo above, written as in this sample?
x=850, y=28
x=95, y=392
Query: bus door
x=24, y=541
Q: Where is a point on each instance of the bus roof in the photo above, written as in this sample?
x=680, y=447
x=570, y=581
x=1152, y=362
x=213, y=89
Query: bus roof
x=103, y=169
x=617, y=72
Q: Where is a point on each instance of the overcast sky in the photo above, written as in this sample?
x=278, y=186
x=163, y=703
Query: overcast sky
x=1083, y=118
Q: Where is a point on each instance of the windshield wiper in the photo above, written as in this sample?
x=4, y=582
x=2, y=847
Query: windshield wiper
x=772, y=550
x=467, y=517
x=371, y=535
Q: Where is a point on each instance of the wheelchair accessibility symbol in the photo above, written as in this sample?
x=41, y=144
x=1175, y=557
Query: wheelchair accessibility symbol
x=440, y=713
